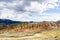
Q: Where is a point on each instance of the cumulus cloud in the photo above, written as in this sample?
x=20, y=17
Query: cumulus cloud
x=27, y=10
x=40, y=7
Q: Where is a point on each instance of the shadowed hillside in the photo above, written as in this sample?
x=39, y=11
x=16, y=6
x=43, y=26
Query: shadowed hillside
x=7, y=21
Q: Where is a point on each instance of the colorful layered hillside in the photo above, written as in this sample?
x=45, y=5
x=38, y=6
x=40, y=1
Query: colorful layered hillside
x=34, y=26
x=18, y=26
x=31, y=30
x=30, y=26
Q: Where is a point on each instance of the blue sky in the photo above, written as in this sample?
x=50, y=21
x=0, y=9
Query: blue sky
x=30, y=10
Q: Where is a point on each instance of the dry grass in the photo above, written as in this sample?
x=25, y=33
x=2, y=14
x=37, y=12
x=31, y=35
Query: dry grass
x=32, y=35
x=35, y=31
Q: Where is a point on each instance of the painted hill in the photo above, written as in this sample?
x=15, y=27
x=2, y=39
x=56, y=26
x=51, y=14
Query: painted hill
x=16, y=25
x=34, y=26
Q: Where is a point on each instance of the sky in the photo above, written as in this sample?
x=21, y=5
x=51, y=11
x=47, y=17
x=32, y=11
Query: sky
x=30, y=10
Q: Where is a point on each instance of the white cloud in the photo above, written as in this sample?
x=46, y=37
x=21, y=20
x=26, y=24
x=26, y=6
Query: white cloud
x=37, y=7
x=22, y=9
x=47, y=17
x=10, y=14
x=6, y=13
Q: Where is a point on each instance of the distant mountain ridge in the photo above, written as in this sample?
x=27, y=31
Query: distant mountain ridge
x=8, y=21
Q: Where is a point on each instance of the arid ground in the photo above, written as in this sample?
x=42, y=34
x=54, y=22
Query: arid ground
x=30, y=31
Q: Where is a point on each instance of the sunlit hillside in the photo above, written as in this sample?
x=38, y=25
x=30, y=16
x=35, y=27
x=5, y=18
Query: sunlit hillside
x=31, y=31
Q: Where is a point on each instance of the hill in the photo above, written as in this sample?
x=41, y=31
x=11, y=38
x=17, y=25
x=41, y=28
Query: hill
x=7, y=21
x=16, y=25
